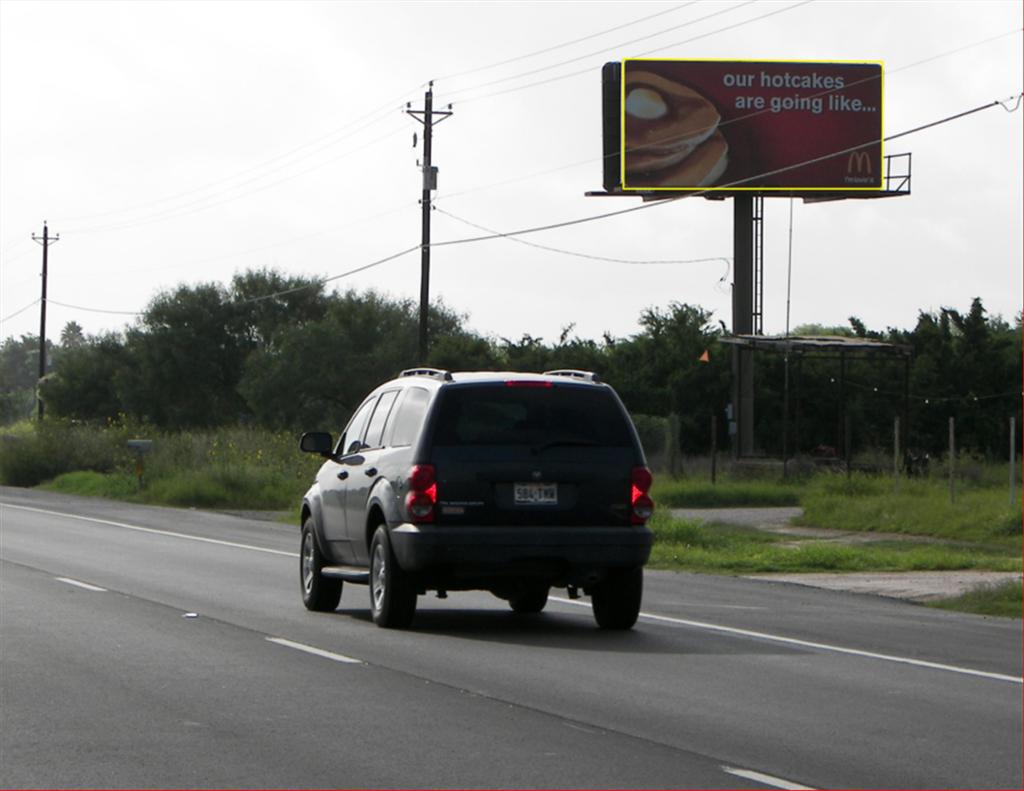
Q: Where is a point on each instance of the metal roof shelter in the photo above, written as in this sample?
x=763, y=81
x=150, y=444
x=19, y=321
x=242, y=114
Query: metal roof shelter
x=836, y=347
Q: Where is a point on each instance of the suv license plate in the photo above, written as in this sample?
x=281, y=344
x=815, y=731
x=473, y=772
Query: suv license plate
x=536, y=493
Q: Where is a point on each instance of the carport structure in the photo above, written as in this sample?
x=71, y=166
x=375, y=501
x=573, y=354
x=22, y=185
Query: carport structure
x=827, y=347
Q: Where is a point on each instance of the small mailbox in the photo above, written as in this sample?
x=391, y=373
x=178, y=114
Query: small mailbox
x=141, y=448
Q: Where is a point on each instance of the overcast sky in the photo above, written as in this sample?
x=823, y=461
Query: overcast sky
x=181, y=142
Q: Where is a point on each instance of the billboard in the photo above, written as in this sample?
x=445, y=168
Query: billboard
x=749, y=125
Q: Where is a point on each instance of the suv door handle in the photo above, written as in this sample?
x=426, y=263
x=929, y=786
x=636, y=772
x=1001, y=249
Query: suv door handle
x=342, y=475
x=371, y=472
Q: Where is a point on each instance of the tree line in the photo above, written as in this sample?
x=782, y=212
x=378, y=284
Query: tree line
x=209, y=355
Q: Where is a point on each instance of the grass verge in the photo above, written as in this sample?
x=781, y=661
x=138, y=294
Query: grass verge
x=684, y=545
x=917, y=507
x=703, y=494
x=1000, y=600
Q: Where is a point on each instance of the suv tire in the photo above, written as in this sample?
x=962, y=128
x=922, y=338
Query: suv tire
x=530, y=601
x=616, y=600
x=392, y=593
x=319, y=593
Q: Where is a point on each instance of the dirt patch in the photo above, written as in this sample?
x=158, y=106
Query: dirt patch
x=920, y=586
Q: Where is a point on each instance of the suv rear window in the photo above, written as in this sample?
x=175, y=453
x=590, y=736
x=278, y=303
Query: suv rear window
x=536, y=416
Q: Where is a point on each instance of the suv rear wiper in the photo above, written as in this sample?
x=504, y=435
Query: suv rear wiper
x=565, y=443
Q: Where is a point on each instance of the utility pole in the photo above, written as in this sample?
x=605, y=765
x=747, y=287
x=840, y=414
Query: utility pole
x=426, y=117
x=45, y=240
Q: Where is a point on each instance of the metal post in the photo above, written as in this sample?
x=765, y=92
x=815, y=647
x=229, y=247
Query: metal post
x=743, y=323
x=785, y=419
x=846, y=444
x=896, y=451
x=1013, y=460
x=952, y=460
x=714, y=447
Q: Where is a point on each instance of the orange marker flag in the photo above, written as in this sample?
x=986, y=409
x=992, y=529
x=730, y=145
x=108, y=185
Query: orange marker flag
x=705, y=357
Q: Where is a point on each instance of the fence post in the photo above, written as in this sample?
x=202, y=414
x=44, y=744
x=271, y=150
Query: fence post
x=673, y=444
x=896, y=451
x=846, y=444
x=714, y=446
x=1013, y=460
x=952, y=460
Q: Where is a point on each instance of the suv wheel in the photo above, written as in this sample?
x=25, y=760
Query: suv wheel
x=530, y=601
x=616, y=600
x=319, y=593
x=392, y=594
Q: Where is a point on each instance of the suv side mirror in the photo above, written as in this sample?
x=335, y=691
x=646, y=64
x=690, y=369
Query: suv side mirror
x=317, y=442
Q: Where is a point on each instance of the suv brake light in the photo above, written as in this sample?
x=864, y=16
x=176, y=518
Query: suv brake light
x=422, y=496
x=641, y=504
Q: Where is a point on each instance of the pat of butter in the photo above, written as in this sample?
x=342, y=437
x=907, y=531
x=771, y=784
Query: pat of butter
x=645, y=103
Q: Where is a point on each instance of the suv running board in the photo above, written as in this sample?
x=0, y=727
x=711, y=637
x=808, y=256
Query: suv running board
x=354, y=574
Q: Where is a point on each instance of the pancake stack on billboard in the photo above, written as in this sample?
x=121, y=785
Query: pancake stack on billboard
x=749, y=125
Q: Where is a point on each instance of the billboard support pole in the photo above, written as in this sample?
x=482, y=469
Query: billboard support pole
x=743, y=322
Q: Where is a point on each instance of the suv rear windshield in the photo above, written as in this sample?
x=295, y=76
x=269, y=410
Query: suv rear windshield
x=536, y=416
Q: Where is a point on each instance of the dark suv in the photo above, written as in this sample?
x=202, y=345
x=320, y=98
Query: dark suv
x=507, y=482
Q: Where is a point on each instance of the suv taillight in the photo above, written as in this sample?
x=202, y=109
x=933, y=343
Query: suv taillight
x=641, y=504
x=422, y=496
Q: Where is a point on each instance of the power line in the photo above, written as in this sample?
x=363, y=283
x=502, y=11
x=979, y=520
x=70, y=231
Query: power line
x=588, y=219
x=657, y=49
x=592, y=160
x=390, y=105
x=185, y=210
x=582, y=255
x=18, y=312
x=602, y=50
x=94, y=310
x=564, y=44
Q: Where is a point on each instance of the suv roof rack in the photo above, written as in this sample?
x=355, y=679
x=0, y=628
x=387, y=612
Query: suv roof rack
x=434, y=372
x=588, y=376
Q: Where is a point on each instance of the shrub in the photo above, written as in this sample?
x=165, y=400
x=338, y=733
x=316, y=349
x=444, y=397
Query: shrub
x=56, y=446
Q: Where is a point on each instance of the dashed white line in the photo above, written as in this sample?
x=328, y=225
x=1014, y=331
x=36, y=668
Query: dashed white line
x=308, y=649
x=78, y=584
x=647, y=616
x=169, y=533
x=768, y=780
x=837, y=649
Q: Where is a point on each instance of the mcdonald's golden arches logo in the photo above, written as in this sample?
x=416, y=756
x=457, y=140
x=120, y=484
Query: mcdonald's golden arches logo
x=859, y=162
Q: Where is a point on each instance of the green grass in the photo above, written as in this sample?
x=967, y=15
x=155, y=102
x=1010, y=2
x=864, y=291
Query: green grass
x=239, y=468
x=917, y=507
x=688, y=493
x=240, y=488
x=1000, y=600
x=116, y=486
x=684, y=545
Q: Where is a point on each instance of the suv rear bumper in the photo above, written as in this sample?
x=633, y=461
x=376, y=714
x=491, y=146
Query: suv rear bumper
x=422, y=547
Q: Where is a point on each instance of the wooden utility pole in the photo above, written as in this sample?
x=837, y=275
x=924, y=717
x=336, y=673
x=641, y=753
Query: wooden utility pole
x=45, y=240
x=426, y=116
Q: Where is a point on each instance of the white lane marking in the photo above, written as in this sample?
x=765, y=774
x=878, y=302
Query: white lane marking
x=649, y=616
x=768, y=780
x=315, y=651
x=78, y=584
x=838, y=649
x=140, y=529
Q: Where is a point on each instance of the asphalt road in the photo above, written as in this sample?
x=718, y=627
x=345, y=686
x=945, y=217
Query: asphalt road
x=151, y=647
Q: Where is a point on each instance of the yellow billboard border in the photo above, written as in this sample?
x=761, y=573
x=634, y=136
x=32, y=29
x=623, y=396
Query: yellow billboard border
x=622, y=127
